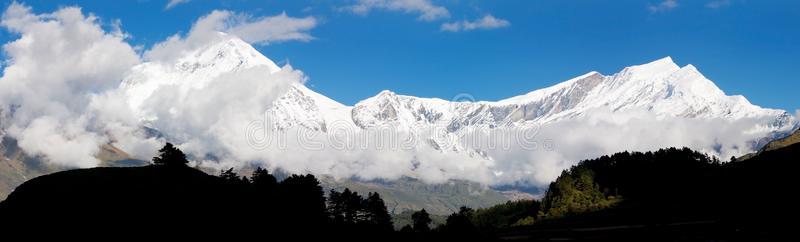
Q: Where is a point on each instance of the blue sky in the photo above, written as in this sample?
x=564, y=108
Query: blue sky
x=745, y=47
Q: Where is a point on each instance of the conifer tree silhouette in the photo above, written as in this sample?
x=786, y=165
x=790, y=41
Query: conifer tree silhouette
x=171, y=156
x=376, y=212
x=421, y=220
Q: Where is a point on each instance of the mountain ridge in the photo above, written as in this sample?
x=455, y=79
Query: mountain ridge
x=677, y=96
x=660, y=87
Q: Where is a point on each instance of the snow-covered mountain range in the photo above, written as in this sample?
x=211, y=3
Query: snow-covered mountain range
x=660, y=86
x=661, y=89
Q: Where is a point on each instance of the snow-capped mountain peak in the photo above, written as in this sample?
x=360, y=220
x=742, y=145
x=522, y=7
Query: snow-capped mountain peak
x=195, y=68
x=229, y=54
x=652, y=70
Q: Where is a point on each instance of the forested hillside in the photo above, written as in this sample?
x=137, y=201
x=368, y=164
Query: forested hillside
x=678, y=194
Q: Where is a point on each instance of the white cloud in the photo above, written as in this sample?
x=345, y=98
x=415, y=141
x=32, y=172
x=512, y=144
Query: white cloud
x=60, y=96
x=64, y=142
x=797, y=114
x=213, y=120
x=255, y=30
x=559, y=146
x=427, y=11
x=173, y=3
x=603, y=132
x=664, y=6
x=487, y=22
x=716, y=4
x=272, y=29
x=60, y=62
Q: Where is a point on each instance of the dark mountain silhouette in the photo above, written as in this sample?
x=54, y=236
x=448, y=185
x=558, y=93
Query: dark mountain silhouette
x=16, y=166
x=164, y=199
x=170, y=198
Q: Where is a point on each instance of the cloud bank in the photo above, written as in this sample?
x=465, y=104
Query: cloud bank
x=602, y=132
x=60, y=95
x=58, y=68
x=535, y=160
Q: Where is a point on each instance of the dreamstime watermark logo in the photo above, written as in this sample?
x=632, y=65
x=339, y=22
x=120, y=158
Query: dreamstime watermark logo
x=463, y=124
x=260, y=133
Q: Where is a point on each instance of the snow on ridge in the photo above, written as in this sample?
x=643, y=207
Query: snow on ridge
x=661, y=86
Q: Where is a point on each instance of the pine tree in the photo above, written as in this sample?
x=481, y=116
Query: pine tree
x=376, y=212
x=231, y=176
x=304, y=199
x=421, y=220
x=353, y=207
x=169, y=155
x=336, y=206
x=262, y=179
x=459, y=223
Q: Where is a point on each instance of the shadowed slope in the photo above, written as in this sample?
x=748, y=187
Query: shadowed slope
x=118, y=197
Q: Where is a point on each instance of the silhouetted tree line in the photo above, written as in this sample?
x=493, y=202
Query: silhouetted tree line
x=658, y=190
x=307, y=204
x=303, y=204
x=676, y=186
x=472, y=224
x=661, y=190
x=349, y=210
x=300, y=198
